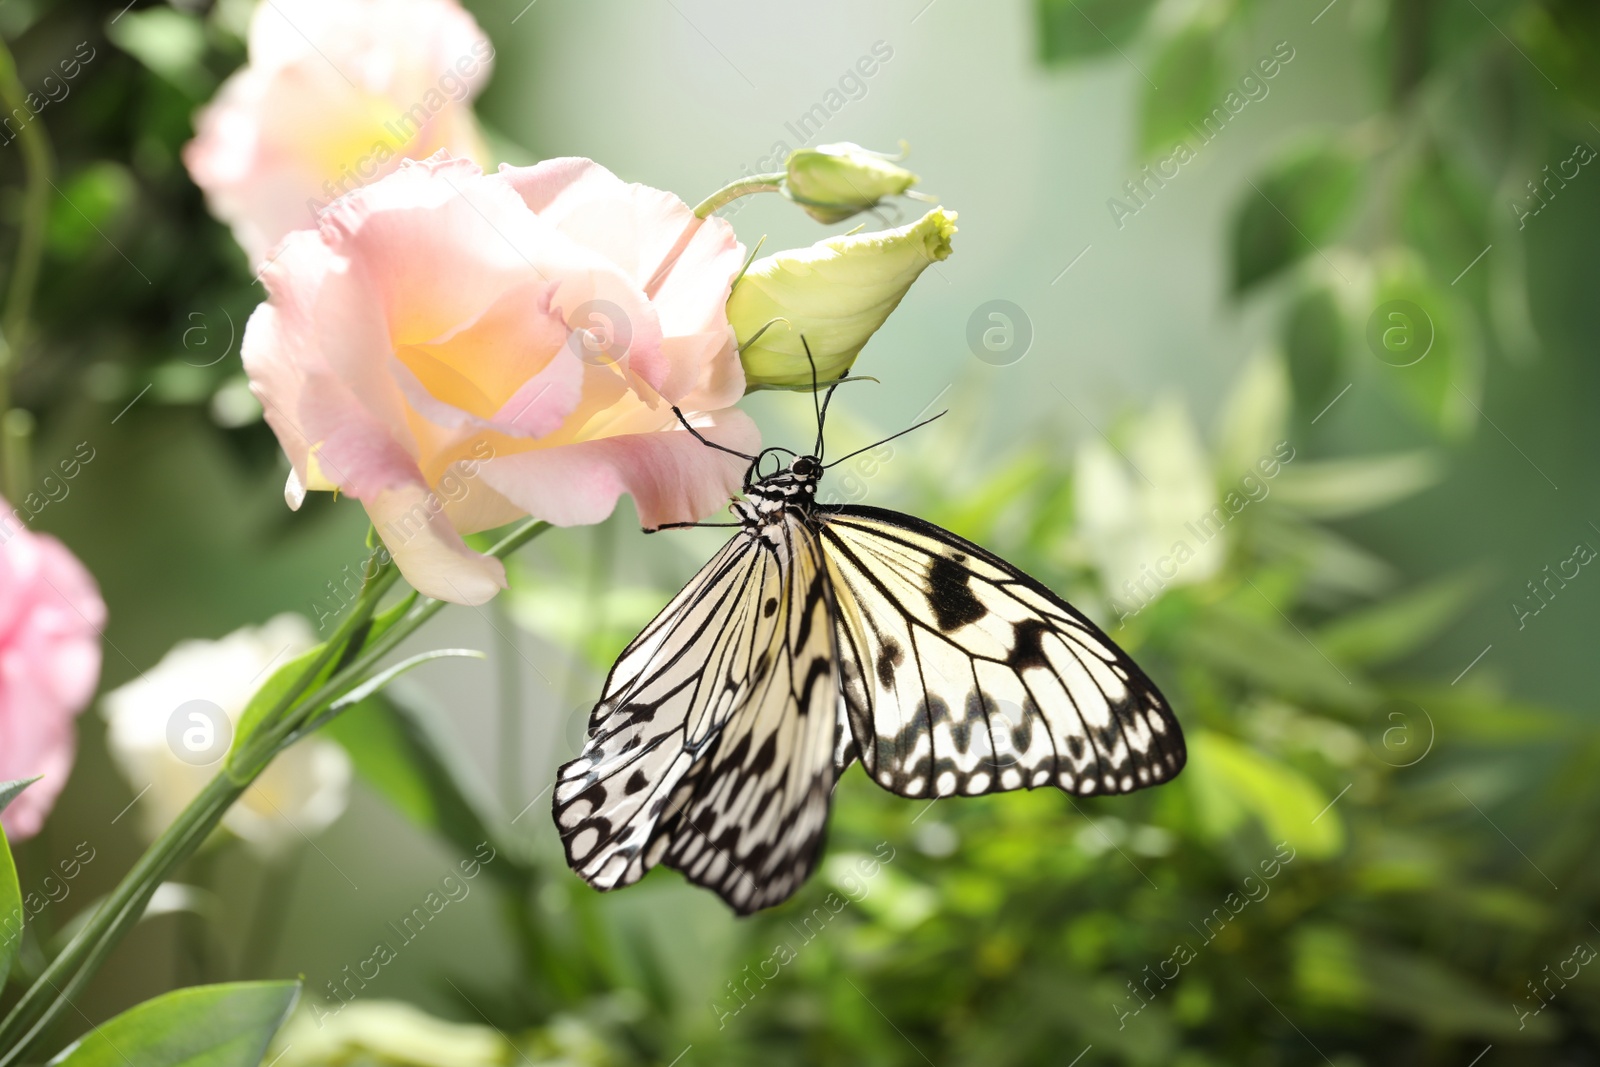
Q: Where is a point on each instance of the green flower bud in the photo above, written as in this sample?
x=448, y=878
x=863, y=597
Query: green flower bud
x=834, y=181
x=835, y=294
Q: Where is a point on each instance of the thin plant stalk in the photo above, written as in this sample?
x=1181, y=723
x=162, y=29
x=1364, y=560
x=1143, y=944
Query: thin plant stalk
x=756, y=183
x=38, y=163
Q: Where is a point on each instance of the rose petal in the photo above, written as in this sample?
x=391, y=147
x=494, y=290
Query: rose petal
x=415, y=528
x=671, y=476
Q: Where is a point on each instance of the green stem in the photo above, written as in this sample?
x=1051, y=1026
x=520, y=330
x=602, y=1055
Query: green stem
x=16, y=432
x=259, y=751
x=69, y=972
x=423, y=609
x=756, y=183
x=38, y=164
x=275, y=888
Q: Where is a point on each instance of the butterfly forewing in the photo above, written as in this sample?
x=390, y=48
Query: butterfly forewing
x=962, y=675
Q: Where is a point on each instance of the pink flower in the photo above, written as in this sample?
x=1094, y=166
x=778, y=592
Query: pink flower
x=50, y=619
x=334, y=95
x=458, y=350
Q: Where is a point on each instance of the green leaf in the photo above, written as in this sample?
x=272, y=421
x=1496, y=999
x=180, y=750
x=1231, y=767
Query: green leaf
x=1254, y=421
x=1422, y=992
x=171, y=43
x=1447, y=214
x=1327, y=967
x=1082, y=29
x=10, y=790
x=1438, y=370
x=1398, y=627
x=1188, y=73
x=1333, y=968
x=267, y=697
x=1294, y=209
x=1232, y=781
x=1340, y=488
x=1484, y=718
x=1313, y=342
x=1249, y=641
x=378, y=681
x=204, y=1026
x=11, y=915
x=400, y=750
x=284, y=678
x=99, y=199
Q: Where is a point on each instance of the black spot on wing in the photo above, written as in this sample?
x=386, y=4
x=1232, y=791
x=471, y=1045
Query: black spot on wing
x=951, y=597
x=889, y=657
x=1028, y=648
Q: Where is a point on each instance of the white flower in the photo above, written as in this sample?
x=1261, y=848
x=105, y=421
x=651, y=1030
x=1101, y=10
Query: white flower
x=164, y=742
x=1150, y=521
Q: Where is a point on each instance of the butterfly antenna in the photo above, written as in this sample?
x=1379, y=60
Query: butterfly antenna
x=698, y=436
x=815, y=403
x=822, y=417
x=688, y=526
x=886, y=440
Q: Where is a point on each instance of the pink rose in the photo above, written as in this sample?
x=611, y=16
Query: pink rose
x=458, y=350
x=50, y=619
x=334, y=95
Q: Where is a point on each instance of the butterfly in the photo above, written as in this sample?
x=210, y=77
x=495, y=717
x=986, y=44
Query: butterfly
x=820, y=636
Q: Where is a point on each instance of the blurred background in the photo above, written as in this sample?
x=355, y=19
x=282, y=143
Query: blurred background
x=1326, y=267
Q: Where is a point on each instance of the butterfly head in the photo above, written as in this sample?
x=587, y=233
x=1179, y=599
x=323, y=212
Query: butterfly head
x=806, y=469
x=785, y=488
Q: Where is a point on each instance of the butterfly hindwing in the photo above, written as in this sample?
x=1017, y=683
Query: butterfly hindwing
x=712, y=747
x=961, y=675
x=662, y=707
x=751, y=828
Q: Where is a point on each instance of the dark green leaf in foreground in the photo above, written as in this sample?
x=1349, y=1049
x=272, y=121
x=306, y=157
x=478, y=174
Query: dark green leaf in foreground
x=10, y=893
x=204, y=1026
